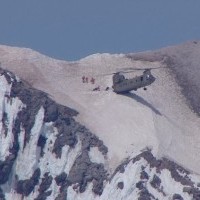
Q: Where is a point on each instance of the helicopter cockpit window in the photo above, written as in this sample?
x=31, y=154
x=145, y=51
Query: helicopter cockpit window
x=148, y=76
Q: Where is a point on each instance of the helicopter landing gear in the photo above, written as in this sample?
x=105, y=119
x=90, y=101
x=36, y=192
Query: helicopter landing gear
x=145, y=88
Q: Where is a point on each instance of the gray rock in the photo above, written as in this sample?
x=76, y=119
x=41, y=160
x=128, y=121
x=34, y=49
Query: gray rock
x=4, y=123
x=8, y=75
x=120, y=185
x=155, y=182
x=195, y=192
x=120, y=168
x=177, y=197
x=66, y=136
x=6, y=167
x=140, y=185
x=144, y=175
x=2, y=196
x=166, y=164
x=61, y=179
x=62, y=195
x=90, y=140
x=46, y=182
x=43, y=196
x=145, y=195
x=44, y=186
x=25, y=187
x=41, y=143
x=84, y=171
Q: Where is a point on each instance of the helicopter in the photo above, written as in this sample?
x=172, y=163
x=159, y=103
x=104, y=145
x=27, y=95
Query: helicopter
x=124, y=85
x=121, y=84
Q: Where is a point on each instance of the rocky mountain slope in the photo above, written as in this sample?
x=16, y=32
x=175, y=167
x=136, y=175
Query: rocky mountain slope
x=61, y=140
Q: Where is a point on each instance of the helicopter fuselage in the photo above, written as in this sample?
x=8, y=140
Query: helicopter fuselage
x=123, y=85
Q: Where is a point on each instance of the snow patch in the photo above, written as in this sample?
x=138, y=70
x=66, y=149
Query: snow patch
x=96, y=156
x=27, y=161
x=49, y=162
x=9, y=109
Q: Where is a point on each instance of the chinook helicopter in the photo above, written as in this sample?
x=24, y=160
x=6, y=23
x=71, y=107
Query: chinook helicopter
x=123, y=85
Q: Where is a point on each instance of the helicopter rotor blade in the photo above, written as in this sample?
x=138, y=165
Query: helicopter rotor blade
x=125, y=72
x=131, y=68
x=122, y=70
x=135, y=69
x=108, y=74
x=88, y=74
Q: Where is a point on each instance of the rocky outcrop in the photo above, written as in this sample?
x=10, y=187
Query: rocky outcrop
x=25, y=187
x=68, y=133
x=43, y=190
x=84, y=171
x=177, y=197
x=152, y=172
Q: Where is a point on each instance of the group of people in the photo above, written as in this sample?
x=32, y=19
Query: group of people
x=92, y=80
x=86, y=80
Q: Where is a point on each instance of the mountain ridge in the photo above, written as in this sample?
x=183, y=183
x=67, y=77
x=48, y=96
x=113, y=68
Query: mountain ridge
x=160, y=119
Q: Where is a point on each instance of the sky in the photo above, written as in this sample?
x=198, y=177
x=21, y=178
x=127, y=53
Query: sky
x=73, y=29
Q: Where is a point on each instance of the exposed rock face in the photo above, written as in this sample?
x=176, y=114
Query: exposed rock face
x=25, y=187
x=44, y=186
x=155, y=182
x=67, y=133
x=45, y=154
x=84, y=171
x=34, y=100
x=177, y=197
x=154, y=174
x=5, y=168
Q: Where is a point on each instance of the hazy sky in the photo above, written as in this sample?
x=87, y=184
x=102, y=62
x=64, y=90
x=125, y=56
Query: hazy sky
x=72, y=29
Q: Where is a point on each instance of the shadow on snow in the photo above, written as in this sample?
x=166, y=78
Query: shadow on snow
x=142, y=101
